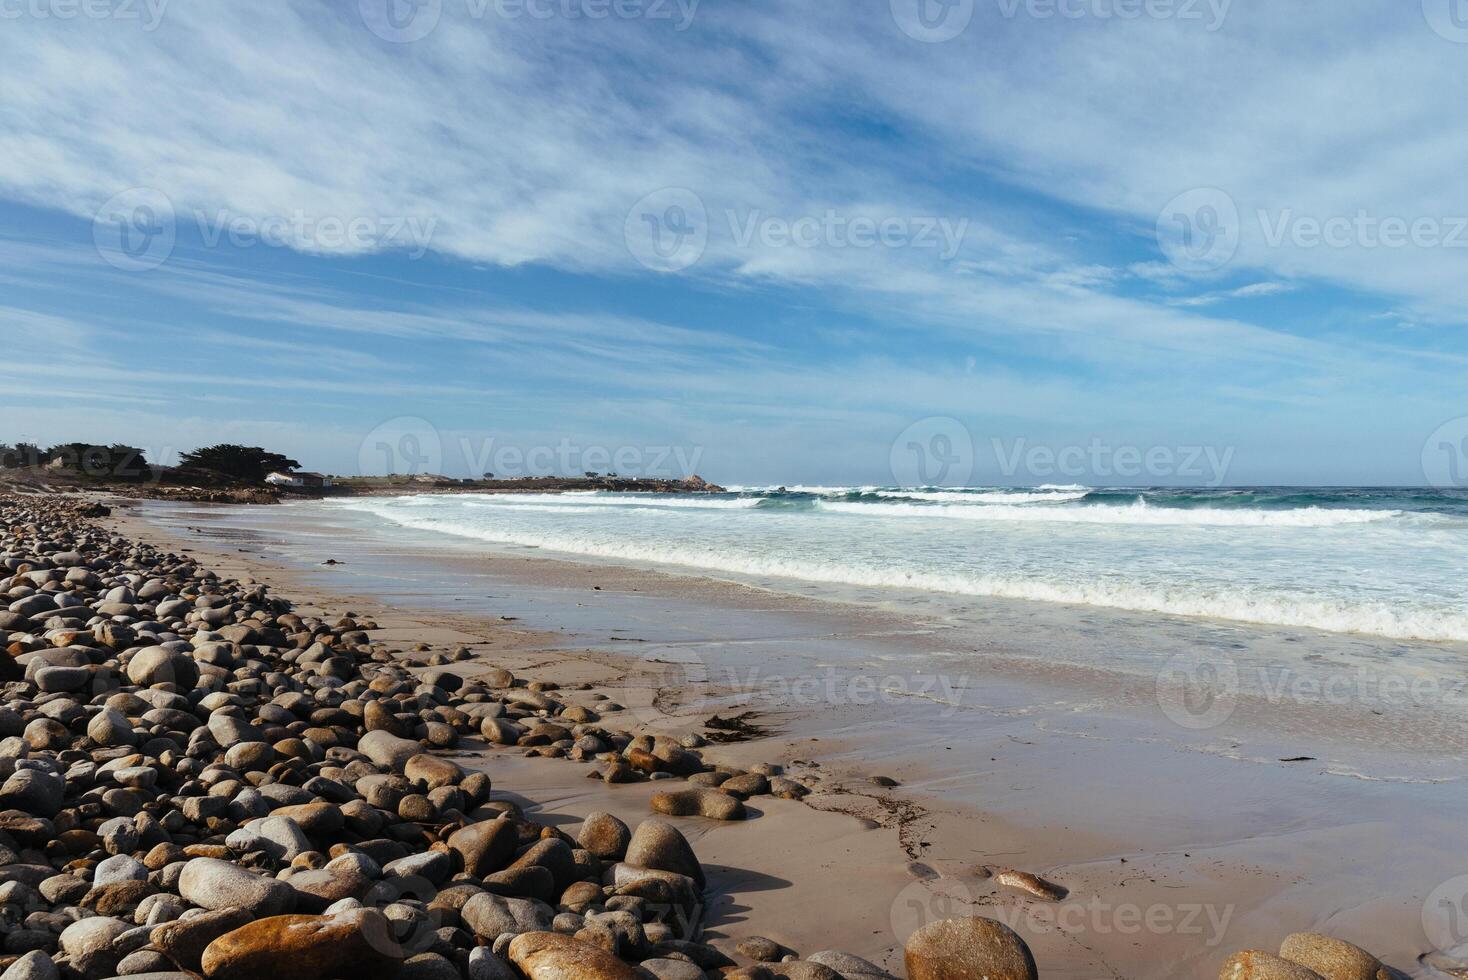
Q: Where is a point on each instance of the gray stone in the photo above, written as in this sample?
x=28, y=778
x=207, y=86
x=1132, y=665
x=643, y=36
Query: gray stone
x=36, y=792
x=492, y=915
x=58, y=679
x=283, y=838
x=388, y=751
x=213, y=884
x=35, y=965
x=109, y=727
x=120, y=867
x=484, y=965
x=228, y=730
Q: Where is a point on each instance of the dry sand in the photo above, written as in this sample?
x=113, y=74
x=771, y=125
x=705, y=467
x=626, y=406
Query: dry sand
x=1177, y=847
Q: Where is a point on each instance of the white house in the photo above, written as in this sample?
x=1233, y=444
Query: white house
x=279, y=479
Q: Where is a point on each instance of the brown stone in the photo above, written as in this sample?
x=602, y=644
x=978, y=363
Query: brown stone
x=550, y=956
x=185, y=940
x=1256, y=965
x=1333, y=959
x=968, y=949
x=485, y=847
x=359, y=943
x=698, y=803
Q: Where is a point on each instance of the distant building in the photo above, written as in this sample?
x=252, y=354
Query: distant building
x=301, y=480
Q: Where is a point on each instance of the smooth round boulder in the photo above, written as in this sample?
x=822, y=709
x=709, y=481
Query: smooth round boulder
x=604, y=835
x=184, y=940
x=357, y=943
x=159, y=665
x=485, y=847
x=1253, y=964
x=432, y=772
x=109, y=728
x=551, y=956
x=1333, y=959
x=387, y=751
x=214, y=884
x=968, y=949
x=657, y=844
x=698, y=802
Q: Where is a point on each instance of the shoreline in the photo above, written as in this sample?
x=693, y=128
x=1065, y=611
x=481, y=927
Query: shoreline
x=1043, y=762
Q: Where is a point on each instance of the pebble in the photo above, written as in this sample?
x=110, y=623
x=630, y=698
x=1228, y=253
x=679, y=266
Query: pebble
x=1030, y=884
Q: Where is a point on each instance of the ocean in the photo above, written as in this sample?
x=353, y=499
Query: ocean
x=1383, y=562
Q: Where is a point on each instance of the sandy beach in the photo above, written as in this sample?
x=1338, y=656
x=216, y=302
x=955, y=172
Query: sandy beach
x=1177, y=844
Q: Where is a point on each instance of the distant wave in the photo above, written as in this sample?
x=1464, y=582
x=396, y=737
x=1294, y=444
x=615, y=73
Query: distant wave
x=984, y=496
x=1136, y=513
x=1234, y=601
x=582, y=500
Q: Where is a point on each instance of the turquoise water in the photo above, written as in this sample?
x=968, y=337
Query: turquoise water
x=1385, y=562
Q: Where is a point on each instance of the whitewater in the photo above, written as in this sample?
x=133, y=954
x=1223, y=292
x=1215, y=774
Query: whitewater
x=1389, y=563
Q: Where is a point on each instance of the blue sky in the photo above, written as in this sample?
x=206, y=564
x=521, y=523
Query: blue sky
x=779, y=242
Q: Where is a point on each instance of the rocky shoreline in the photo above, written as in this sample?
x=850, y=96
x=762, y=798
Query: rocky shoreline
x=197, y=781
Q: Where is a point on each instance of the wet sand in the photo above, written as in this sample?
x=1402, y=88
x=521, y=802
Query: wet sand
x=1028, y=744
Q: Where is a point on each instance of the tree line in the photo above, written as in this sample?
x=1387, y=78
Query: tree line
x=123, y=462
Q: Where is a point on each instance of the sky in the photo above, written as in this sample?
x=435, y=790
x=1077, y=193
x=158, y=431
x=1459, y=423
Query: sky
x=1115, y=242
